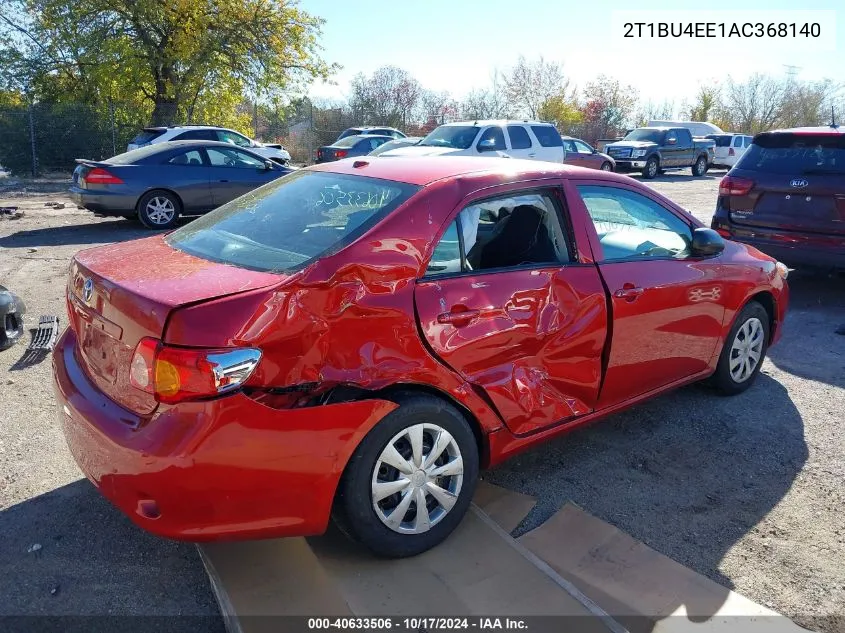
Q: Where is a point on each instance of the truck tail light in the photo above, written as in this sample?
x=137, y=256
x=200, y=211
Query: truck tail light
x=175, y=374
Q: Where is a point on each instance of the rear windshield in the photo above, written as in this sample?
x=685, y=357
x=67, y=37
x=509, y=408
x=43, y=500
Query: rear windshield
x=349, y=132
x=347, y=141
x=796, y=154
x=145, y=136
x=285, y=224
x=722, y=140
x=454, y=136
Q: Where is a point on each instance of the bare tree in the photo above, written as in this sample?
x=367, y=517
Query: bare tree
x=388, y=97
x=651, y=111
x=529, y=85
x=707, y=103
x=757, y=104
x=436, y=108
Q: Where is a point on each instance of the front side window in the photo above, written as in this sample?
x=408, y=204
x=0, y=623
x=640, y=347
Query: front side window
x=520, y=229
x=225, y=157
x=632, y=226
x=492, y=139
x=583, y=148
x=283, y=225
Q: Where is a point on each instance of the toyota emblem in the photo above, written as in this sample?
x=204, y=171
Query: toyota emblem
x=798, y=182
x=87, y=290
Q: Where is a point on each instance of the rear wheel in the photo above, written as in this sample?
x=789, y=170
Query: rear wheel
x=159, y=209
x=700, y=167
x=744, y=351
x=411, y=480
x=651, y=168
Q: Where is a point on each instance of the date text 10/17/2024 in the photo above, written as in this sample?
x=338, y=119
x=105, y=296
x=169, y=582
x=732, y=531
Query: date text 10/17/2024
x=418, y=624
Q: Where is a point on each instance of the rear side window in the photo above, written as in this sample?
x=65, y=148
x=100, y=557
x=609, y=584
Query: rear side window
x=547, y=135
x=796, y=154
x=519, y=137
x=285, y=224
x=197, y=135
x=146, y=136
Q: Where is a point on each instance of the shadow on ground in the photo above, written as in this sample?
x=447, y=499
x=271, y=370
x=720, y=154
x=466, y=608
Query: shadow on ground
x=119, y=230
x=70, y=553
x=689, y=473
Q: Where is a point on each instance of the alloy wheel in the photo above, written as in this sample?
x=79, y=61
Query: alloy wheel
x=160, y=210
x=417, y=478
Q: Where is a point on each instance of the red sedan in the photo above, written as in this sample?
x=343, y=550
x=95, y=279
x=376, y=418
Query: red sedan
x=357, y=339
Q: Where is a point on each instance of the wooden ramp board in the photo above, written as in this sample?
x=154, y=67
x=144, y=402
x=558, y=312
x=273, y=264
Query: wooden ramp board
x=639, y=587
x=480, y=570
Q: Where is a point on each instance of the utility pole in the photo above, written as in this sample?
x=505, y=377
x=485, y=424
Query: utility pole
x=791, y=71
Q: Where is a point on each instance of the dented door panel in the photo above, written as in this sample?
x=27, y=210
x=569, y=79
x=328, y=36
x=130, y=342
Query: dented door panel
x=532, y=339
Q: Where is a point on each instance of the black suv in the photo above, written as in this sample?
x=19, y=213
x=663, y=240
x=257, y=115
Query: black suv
x=786, y=196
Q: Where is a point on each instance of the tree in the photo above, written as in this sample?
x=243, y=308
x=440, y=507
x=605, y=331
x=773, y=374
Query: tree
x=561, y=111
x=707, y=103
x=177, y=54
x=608, y=107
x=651, y=111
x=531, y=84
x=388, y=97
x=437, y=108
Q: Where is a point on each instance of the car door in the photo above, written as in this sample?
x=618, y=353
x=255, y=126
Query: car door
x=667, y=307
x=672, y=152
x=507, y=305
x=188, y=174
x=235, y=172
x=521, y=145
x=586, y=155
x=571, y=155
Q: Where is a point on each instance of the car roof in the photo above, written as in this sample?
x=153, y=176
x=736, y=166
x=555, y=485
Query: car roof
x=161, y=128
x=361, y=137
x=495, y=122
x=424, y=170
x=827, y=129
x=371, y=127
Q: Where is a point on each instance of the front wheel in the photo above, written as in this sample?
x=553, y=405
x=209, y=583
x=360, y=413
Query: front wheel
x=700, y=167
x=744, y=351
x=651, y=168
x=606, y=166
x=411, y=480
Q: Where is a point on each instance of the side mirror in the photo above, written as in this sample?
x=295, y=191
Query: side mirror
x=269, y=165
x=486, y=145
x=706, y=242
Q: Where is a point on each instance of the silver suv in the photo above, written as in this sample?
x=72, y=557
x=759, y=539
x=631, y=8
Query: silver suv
x=150, y=135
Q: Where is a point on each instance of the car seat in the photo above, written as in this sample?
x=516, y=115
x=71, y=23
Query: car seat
x=520, y=238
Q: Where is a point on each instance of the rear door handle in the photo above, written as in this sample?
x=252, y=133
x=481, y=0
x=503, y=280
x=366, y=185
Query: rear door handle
x=458, y=318
x=629, y=292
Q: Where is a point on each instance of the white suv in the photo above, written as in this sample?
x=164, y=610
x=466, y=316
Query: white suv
x=531, y=140
x=151, y=135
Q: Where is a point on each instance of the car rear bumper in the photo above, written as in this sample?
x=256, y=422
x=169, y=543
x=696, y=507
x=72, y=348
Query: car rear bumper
x=796, y=250
x=105, y=202
x=224, y=469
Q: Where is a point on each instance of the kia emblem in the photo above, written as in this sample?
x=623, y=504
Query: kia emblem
x=87, y=290
x=798, y=182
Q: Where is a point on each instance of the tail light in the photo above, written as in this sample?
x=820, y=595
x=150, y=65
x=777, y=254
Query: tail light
x=100, y=176
x=731, y=152
x=731, y=186
x=721, y=227
x=176, y=374
x=341, y=153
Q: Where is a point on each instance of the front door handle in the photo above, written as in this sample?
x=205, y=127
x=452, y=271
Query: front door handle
x=458, y=317
x=532, y=155
x=628, y=292
x=223, y=181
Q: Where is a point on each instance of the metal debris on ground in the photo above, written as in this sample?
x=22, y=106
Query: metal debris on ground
x=43, y=340
x=10, y=213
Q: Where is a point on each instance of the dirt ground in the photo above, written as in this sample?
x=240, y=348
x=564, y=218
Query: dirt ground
x=746, y=490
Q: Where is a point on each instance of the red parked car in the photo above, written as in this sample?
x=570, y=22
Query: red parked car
x=358, y=339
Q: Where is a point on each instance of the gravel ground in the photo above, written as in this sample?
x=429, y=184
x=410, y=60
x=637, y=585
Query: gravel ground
x=747, y=490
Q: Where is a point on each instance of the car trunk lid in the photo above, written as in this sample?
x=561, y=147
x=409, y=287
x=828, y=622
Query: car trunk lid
x=121, y=293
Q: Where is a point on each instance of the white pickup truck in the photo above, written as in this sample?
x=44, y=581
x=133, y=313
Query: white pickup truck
x=531, y=140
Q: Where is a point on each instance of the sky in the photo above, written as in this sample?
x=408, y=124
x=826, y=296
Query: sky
x=456, y=45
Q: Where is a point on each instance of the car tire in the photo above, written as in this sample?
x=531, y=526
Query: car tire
x=700, y=167
x=606, y=166
x=159, y=209
x=359, y=513
x=749, y=337
x=652, y=167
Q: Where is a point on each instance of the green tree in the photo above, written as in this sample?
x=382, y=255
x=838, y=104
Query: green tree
x=563, y=111
x=180, y=56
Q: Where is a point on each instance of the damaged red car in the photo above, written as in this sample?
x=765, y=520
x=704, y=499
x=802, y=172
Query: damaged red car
x=357, y=339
